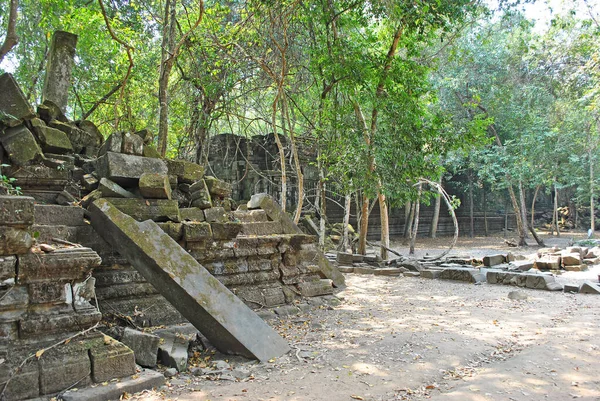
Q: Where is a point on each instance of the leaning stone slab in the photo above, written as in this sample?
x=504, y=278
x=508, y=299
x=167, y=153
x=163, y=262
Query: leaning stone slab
x=111, y=189
x=58, y=68
x=589, y=288
x=148, y=209
x=218, y=314
x=52, y=139
x=143, y=380
x=173, y=351
x=127, y=169
x=217, y=187
x=13, y=101
x=20, y=145
x=16, y=211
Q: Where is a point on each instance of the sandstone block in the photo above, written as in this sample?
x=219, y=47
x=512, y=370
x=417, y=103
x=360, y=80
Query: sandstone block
x=112, y=361
x=39, y=325
x=49, y=111
x=16, y=211
x=126, y=169
x=148, y=209
x=261, y=228
x=13, y=101
x=589, y=288
x=315, y=288
x=250, y=216
x=20, y=145
x=571, y=259
x=228, y=230
x=48, y=292
x=8, y=268
x=63, y=264
x=155, y=186
x=110, y=189
x=89, y=182
x=132, y=144
x=492, y=260
x=217, y=187
x=186, y=172
x=143, y=345
x=173, y=230
x=215, y=215
x=196, y=231
x=192, y=214
x=345, y=258
x=59, y=215
x=14, y=241
x=548, y=262
x=61, y=367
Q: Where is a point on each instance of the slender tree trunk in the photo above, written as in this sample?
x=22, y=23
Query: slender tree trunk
x=407, y=210
x=471, y=205
x=11, y=39
x=535, y=194
x=592, y=207
x=321, y=202
x=523, y=205
x=409, y=224
x=166, y=65
x=515, y=205
x=299, y=175
x=436, y=213
x=555, y=218
x=415, y=229
x=385, y=227
x=345, y=239
x=364, y=226
x=485, y=218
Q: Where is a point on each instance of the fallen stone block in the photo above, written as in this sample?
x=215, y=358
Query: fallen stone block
x=16, y=211
x=111, y=189
x=114, y=143
x=91, y=130
x=14, y=241
x=223, y=318
x=492, y=260
x=571, y=288
x=143, y=345
x=148, y=209
x=250, y=216
x=51, y=139
x=364, y=270
x=555, y=286
x=570, y=259
x=20, y=145
x=215, y=215
x=575, y=268
x=132, y=145
x=345, y=258
x=113, y=360
x=539, y=281
x=49, y=111
x=589, y=288
x=87, y=200
x=462, y=274
x=173, y=351
x=389, y=271
x=59, y=215
x=522, y=265
x=186, y=172
x=224, y=231
x=196, y=231
x=155, y=186
x=411, y=274
x=548, y=262
x=261, y=228
x=274, y=212
x=411, y=265
x=217, y=187
x=192, y=214
x=89, y=182
x=431, y=274
x=150, y=151
x=146, y=379
x=547, y=251
x=315, y=288
x=126, y=169
x=346, y=269
x=13, y=101
x=172, y=229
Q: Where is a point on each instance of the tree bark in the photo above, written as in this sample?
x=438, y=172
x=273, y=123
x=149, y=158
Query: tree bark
x=436, y=213
x=592, y=207
x=385, y=227
x=364, y=226
x=485, y=219
x=555, y=218
x=471, y=205
x=415, y=228
x=535, y=194
x=407, y=210
x=11, y=39
x=515, y=205
x=523, y=205
x=345, y=240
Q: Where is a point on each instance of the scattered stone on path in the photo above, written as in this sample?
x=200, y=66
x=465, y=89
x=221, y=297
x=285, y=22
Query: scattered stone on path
x=589, y=288
x=517, y=296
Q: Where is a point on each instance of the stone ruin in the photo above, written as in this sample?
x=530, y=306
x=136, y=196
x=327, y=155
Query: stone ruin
x=108, y=231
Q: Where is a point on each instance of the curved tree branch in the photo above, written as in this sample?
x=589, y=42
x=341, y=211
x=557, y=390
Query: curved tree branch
x=11, y=38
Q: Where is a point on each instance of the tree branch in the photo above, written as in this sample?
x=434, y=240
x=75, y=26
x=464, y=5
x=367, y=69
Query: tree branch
x=11, y=38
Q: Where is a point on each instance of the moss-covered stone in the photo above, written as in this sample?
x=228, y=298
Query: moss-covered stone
x=150, y=151
x=196, y=231
x=155, y=186
x=217, y=187
x=20, y=145
x=148, y=209
x=14, y=241
x=186, y=172
x=227, y=230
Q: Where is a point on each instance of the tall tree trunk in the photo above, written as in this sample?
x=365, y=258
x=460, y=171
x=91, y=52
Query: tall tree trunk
x=345, y=239
x=321, y=203
x=299, y=175
x=166, y=65
x=592, y=207
x=415, y=228
x=407, y=210
x=555, y=217
x=523, y=205
x=535, y=194
x=385, y=227
x=436, y=213
x=485, y=217
x=515, y=205
x=364, y=226
x=11, y=39
x=471, y=205
x=409, y=224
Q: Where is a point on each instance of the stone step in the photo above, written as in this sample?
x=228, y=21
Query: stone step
x=217, y=313
x=57, y=215
x=261, y=228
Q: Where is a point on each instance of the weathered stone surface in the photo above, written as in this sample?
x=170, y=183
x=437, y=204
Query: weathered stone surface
x=91, y=197
x=126, y=169
x=13, y=101
x=217, y=187
x=389, y=271
x=534, y=281
x=173, y=230
x=571, y=288
x=411, y=274
x=143, y=345
x=36, y=325
x=89, y=182
x=91, y=130
x=119, y=291
x=186, y=172
x=571, y=259
x=148, y=209
x=144, y=380
x=548, y=262
x=200, y=196
x=112, y=361
x=150, y=151
x=16, y=211
x=462, y=274
x=192, y=214
x=47, y=292
x=58, y=68
x=132, y=144
x=14, y=241
x=315, y=288
x=431, y=274
x=345, y=258
x=111, y=189
x=49, y=111
x=155, y=186
x=196, y=231
x=61, y=367
x=228, y=230
x=261, y=228
x=589, y=288
x=411, y=265
x=522, y=265
x=224, y=319
x=364, y=269
x=23, y=385
x=575, y=268
x=62, y=264
x=215, y=215
x=59, y=215
x=65, y=198
x=52, y=139
x=173, y=351
x=250, y=216
x=20, y=145
x=114, y=143
x=492, y=260
x=346, y=269
x=15, y=297
x=8, y=266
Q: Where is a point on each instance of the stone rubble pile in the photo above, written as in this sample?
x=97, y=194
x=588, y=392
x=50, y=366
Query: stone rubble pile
x=536, y=271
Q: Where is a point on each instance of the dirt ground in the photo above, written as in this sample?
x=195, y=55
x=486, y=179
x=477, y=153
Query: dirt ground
x=403, y=338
